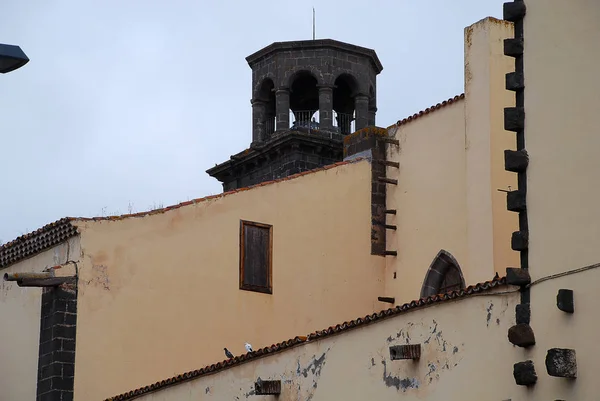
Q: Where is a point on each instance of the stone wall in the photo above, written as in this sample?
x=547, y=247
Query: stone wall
x=56, y=364
x=371, y=143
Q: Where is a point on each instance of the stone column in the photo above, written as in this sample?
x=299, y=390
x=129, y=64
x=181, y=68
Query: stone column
x=361, y=108
x=282, y=109
x=258, y=120
x=372, y=112
x=325, y=107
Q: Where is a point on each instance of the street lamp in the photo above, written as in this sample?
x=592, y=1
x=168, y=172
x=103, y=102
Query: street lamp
x=11, y=58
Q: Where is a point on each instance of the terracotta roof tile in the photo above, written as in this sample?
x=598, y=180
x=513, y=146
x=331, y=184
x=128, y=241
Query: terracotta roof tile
x=428, y=110
x=332, y=330
x=37, y=241
x=54, y=233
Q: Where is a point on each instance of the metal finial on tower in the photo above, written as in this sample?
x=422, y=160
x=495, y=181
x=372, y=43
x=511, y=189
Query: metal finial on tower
x=313, y=23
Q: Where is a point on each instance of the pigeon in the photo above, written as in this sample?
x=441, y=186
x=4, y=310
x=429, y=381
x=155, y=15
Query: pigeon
x=228, y=354
x=248, y=347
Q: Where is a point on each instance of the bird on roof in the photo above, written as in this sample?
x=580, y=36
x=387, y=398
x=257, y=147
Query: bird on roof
x=227, y=353
x=248, y=347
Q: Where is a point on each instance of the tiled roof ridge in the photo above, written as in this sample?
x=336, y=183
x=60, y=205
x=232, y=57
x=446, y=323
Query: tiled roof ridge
x=330, y=331
x=428, y=110
x=54, y=233
x=36, y=241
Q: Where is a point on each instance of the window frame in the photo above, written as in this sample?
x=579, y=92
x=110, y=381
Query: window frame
x=249, y=287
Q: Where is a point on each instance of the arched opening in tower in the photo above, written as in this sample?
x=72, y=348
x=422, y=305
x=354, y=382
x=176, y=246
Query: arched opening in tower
x=344, y=91
x=304, y=101
x=267, y=95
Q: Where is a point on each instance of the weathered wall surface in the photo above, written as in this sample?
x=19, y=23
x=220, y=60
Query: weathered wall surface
x=561, y=101
x=554, y=328
x=489, y=224
x=457, y=361
x=561, y=133
x=159, y=295
x=451, y=167
x=429, y=199
x=20, y=328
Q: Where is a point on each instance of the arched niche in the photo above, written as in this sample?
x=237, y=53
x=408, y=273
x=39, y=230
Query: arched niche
x=444, y=275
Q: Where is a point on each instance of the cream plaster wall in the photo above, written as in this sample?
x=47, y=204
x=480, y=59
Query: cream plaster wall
x=556, y=329
x=451, y=167
x=429, y=199
x=465, y=355
x=158, y=295
x=20, y=327
x=490, y=225
x=562, y=99
x=457, y=361
x=562, y=103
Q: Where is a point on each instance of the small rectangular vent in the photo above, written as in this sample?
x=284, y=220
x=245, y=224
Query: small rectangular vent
x=267, y=387
x=408, y=351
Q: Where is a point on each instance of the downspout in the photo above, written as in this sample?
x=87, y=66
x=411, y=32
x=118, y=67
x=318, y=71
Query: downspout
x=46, y=279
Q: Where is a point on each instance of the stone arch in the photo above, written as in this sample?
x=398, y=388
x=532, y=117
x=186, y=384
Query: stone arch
x=265, y=93
x=444, y=274
x=346, y=87
x=304, y=95
x=262, y=86
x=293, y=75
x=346, y=79
x=265, y=89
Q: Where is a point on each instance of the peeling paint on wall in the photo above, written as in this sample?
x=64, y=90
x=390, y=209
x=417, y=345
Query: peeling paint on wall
x=489, y=313
x=437, y=355
x=500, y=312
x=302, y=379
x=251, y=392
x=395, y=381
x=312, y=371
x=99, y=278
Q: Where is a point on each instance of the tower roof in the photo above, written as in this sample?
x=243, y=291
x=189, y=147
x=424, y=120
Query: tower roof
x=277, y=47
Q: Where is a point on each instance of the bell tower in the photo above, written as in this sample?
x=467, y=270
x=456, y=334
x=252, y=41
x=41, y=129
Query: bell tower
x=306, y=96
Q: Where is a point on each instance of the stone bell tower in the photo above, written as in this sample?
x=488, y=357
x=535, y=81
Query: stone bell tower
x=306, y=96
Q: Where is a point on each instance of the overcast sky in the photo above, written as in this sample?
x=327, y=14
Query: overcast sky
x=125, y=104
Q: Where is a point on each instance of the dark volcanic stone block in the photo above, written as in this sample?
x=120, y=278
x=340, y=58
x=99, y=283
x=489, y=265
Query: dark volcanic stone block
x=524, y=373
x=516, y=276
x=521, y=335
x=513, y=47
x=514, y=81
x=561, y=362
x=514, y=118
x=564, y=301
x=523, y=313
x=513, y=11
x=516, y=201
x=516, y=160
x=519, y=240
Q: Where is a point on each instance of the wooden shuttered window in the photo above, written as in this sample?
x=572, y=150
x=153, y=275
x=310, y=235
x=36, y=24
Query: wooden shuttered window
x=256, y=244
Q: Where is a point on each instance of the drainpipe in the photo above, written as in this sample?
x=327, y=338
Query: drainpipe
x=37, y=279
